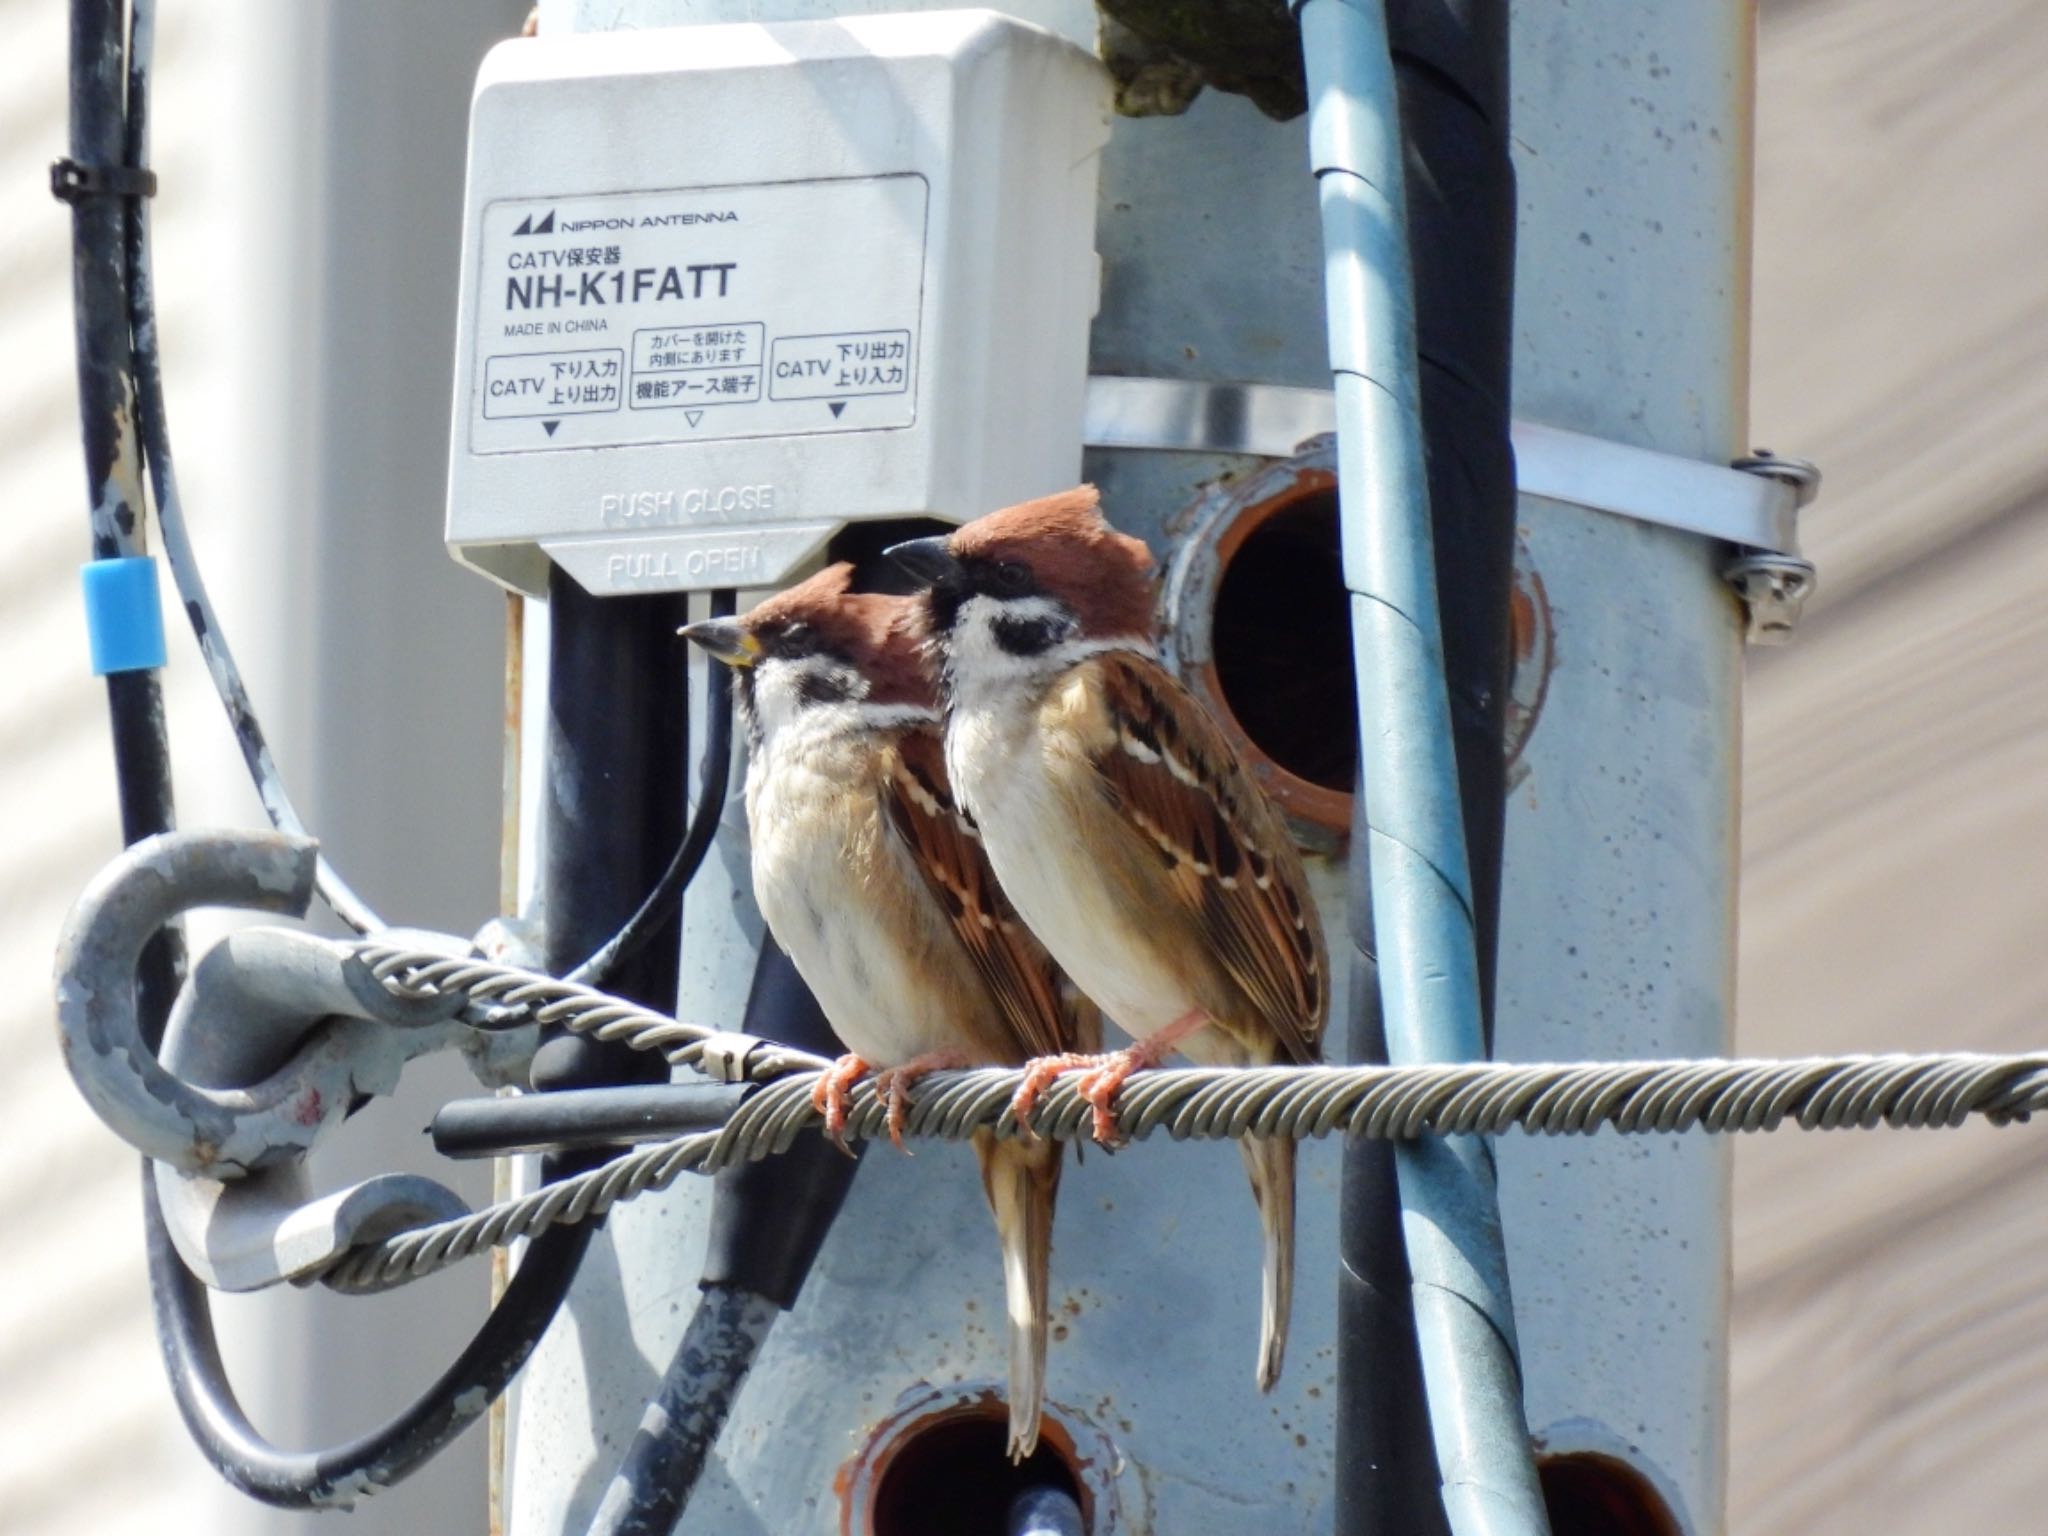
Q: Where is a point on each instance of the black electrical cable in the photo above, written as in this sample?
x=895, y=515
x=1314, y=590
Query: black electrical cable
x=338, y=1476
x=1451, y=68
x=571, y=1119
x=117, y=364
x=666, y=1456
x=118, y=349
x=317, y=1479
x=142, y=759
x=613, y=810
x=768, y=1221
x=154, y=433
x=660, y=903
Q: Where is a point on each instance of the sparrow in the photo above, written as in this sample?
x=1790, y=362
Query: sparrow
x=1122, y=824
x=876, y=885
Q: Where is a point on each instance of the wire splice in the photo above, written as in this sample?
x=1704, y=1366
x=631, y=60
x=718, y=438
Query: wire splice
x=124, y=615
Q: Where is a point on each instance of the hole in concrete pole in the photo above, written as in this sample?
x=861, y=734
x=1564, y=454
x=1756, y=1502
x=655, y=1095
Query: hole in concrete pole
x=1587, y=1494
x=952, y=1475
x=1280, y=643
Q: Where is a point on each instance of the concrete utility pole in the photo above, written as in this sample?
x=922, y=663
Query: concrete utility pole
x=1631, y=134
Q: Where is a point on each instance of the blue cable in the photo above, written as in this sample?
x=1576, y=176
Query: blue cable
x=1421, y=883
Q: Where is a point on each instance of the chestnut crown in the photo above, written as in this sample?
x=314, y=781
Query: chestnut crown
x=1058, y=549
x=823, y=619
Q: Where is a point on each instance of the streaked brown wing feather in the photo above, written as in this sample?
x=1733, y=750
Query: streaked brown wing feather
x=1173, y=775
x=1044, y=1013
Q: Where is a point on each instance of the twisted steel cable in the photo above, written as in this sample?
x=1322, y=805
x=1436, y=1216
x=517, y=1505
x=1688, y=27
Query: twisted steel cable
x=505, y=997
x=1463, y=1098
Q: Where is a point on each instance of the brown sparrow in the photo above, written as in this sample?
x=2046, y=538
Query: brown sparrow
x=876, y=886
x=1122, y=823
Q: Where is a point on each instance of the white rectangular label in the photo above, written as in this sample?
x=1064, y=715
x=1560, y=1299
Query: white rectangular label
x=553, y=383
x=822, y=367
x=722, y=312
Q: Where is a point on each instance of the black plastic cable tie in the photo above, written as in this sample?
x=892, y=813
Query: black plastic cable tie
x=70, y=181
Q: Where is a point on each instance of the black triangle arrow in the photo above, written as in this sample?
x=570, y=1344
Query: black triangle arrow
x=693, y=417
x=525, y=226
x=837, y=406
x=551, y=425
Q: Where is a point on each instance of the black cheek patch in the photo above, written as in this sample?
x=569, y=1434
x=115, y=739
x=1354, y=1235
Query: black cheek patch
x=1027, y=637
x=945, y=601
x=823, y=688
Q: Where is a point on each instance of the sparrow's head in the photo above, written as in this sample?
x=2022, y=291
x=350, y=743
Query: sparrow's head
x=1032, y=585
x=817, y=647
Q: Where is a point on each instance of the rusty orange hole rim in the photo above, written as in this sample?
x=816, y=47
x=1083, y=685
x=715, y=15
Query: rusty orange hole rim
x=1311, y=802
x=863, y=1478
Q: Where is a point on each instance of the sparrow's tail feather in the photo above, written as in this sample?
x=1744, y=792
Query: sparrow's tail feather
x=1021, y=1178
x=1270, y=1162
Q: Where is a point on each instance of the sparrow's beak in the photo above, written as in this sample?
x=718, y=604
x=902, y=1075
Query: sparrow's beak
x=724, y=639
x=927, y=559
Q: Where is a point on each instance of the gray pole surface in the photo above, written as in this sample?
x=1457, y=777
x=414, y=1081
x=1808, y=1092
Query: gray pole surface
x=1631, y=142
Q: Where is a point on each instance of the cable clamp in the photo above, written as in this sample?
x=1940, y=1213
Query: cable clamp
x=70, y=182
x=724, y=1055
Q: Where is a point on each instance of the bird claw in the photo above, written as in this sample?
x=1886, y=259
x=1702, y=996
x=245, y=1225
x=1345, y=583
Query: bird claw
x=829, y=1096
x=1108, y=1072
x=1099, y=1088
x=1105, y=1073
x=894, y=1084
x=1040, y=1073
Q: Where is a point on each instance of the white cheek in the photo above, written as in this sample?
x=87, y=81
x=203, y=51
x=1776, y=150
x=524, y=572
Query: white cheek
x=780, y=703
x=978, y=661
x=776, y=699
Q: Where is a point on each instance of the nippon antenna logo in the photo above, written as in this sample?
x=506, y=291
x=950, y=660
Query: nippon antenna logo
x=546, y=226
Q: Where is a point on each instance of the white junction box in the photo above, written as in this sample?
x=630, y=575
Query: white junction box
x=728, y=288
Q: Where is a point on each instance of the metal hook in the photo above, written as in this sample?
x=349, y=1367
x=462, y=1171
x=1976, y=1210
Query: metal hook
x=148, y=886
x=276, y=1035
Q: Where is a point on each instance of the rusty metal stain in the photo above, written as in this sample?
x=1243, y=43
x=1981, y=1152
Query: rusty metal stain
x=1532, y=631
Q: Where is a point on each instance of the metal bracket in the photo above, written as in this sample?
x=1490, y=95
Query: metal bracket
x=1268, y=421
x=1753, y=504
x=1774, y=587
x=274, y=1039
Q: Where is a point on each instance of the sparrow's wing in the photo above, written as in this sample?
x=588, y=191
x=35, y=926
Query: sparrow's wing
x=1175, y=778
x=1021, y=975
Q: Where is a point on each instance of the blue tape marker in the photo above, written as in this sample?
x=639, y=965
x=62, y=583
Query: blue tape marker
x=124, y=617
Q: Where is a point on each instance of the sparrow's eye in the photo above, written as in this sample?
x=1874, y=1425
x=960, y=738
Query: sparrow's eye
x=1011, y=578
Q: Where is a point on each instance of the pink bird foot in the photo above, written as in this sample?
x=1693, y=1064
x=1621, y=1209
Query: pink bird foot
x=1040, y=1073
x=829, y=1097
x=895, y=1083
x=1106, y=1074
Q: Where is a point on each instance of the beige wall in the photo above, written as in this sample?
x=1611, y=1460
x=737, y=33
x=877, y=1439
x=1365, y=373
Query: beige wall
x=1891, y=1352
x=1891, y=1333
